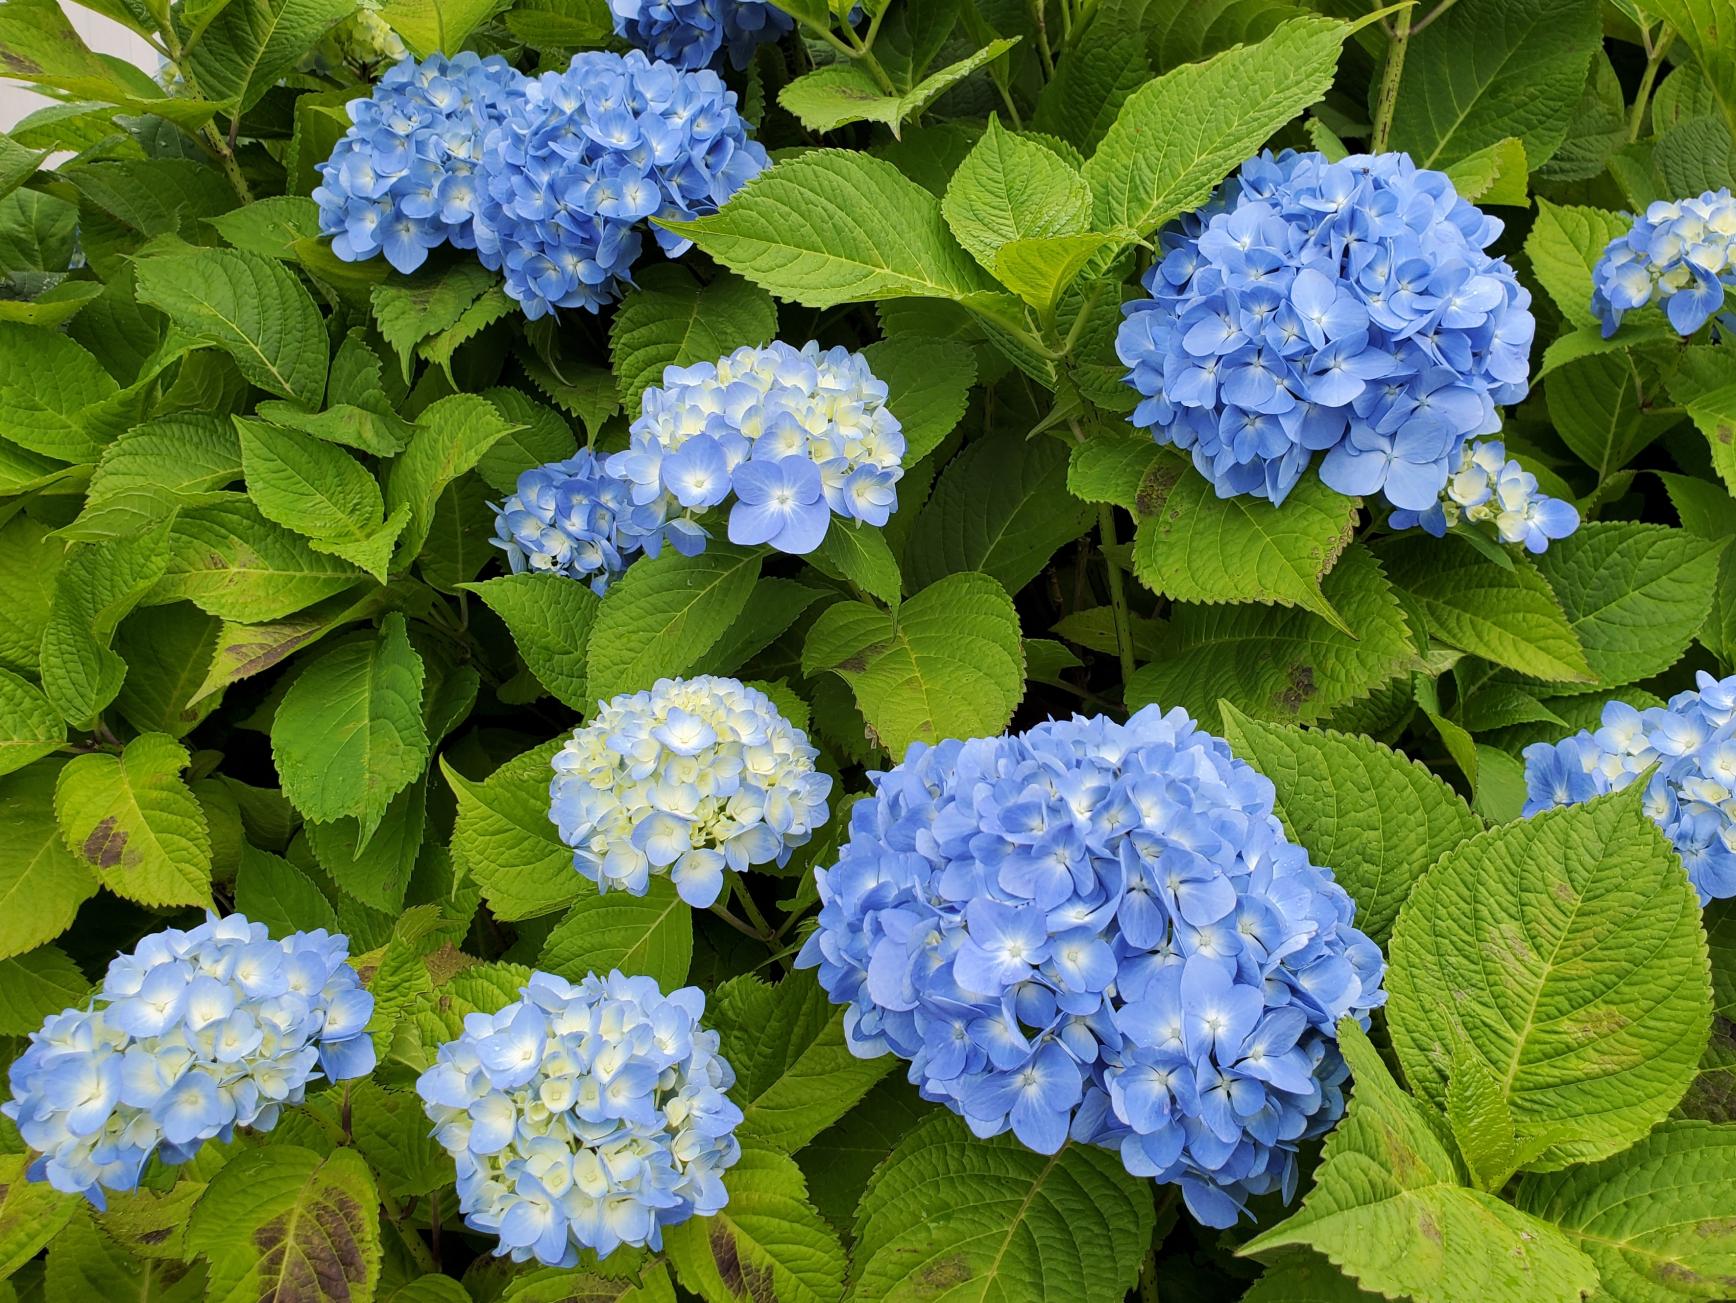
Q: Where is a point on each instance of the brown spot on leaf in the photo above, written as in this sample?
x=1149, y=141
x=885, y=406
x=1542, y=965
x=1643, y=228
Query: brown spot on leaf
x=942, y=1275
x=106, y=844
x=1302, y=687
x=323, y=1263
x=19, y=64
x=728, y=1260
x=1428, y=1228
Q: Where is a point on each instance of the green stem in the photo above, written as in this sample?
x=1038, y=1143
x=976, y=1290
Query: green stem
x=747, y=904
x=1117, y=591
x=722, y=911
x=1012, y=109
x=858, y=50
x=1389, y=79
x=1648, y=79
x=1039, y=10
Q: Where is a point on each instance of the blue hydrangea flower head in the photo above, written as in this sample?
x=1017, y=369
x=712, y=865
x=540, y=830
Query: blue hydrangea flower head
x=1099, y=930
x=585, y=1115
x=690, y=33
x=688, y=779
x=1347, y=309
x=1497, y=495
x=574, y=518
x=1680, y=254
x=403, y=179
x=1691, y=794
x=579, y=159
x=794, y=436
x=193, y=1034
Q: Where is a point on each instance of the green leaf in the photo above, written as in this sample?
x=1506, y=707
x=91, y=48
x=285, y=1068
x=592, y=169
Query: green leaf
x=175, y=458
x=251, y=44
x=1704, y=27
x=42, y=883
x=452, y=435
x=1177, y=137
x=1011, y=188
x=542, y=435
x=438, y=26
x=227, y=559
x=1597, y=407
x=794, y=1074
x=766, y=1243
x=664, y=614
x=135, y=823
x=928, y=384
x=30, y=726
x=271, y=890
x=1040, y=271
x=1705, y=385
x=1304, y=1277
x=1655, y=1218
x=168, y=654
x=1508, y=616
x=844, y=92
x=31, y=1214
x=30, y=558
x=1494, y=175
x=412, y=308
x=1635, y=594
x=95, y=588
x=1482, y=1124
x=349, y=734
x=950, y=1215
x=34, y=985
x=1001, y=508
x=831, y=226
x=1564, y=245
x=1566, y=949
x=252, y=307
x=1290, y=665
x=1389, y=1207
x=270, y=227
x=48, y=386
x=283, y=1223
x=772, y=607
x=549, y=617
x=504, y=841
x=320, y=492
x=83, y=1264
x=1490, y=69
x=861, y=554
x=650, y=935
x=668, y=319
x=244, y=650
x=1195, y=546
x=1375, y=818
x=1111, y=466
x=949, y=664
x=1091, y=84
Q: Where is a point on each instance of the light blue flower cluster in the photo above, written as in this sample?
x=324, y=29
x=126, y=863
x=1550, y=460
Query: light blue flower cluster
x=1341, y=308
x=574, y=518
x=402, y=180
x=685, y=780
x=192, y=1035
x=579, y=158
x=1488, y=489
x=796, y=435
x=585, y=1116
x=689, y=33
x=1099, y=930
x=1680, y=254
x=1692, y=793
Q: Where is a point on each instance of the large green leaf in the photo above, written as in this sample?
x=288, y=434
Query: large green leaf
x=1634, y=594
x=1655, y=1218
x=664, y=614
x=1375, y=818
x=1704, y=27
x=31, y=1214
x=30, y=726
x=84, y=1263
x=226, y=558
x=948, y=1215
x=1566, y=950
x=668, y=319
x=928, y=383
x=252, y=307
x=830, y=226
x=1598, y=406
x=650, y=935
x=1195, y=546
x=1389, y=1206
x=42, y=883
x=46, y=384
x=1012, y=187
x=1177, y=137
x=1091, y=83
x=550, y=618
x=840, y=93
x=1002, y=508
x=452, y=436
x=950, y=663
x=1564, y=245
x=1508, y=615
x=97, y=585
x=243, y=650
x=135, y=823
x=504, y=840
x=794, y=1075
x=1291, y=665
x=766, y=1243
x=321, y=492
x=251, y=44
x=34, y=985
x=271, y=890
x=1489, y=69
x=438, y=26
x=349, y=734
x=30, y=558
x=177, y=458
x=283, y=1223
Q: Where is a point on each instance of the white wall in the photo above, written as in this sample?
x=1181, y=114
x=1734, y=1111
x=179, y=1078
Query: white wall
x=103, y=35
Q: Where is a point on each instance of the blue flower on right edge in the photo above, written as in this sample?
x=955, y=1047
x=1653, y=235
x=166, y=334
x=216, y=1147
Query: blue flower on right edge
x=1691, y=794
x=1680, y=255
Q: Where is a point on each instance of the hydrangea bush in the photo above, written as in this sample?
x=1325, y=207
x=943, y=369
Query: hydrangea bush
x=1051, y=650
